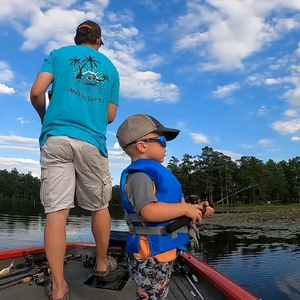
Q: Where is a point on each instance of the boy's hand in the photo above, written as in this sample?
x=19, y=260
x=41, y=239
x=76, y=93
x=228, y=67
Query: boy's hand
x=208, y=210
x=193, y=211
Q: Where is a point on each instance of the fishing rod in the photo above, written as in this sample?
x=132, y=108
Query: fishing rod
x=244, y=189
x=26, y=274
x=184, y=220
x=28, y=279
x=6, y=271
x=184, y=273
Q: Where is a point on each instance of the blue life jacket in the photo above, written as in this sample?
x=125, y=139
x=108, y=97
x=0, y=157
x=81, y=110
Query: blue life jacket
x=168, y=191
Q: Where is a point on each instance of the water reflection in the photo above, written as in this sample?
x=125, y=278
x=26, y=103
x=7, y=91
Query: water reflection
x=268, y=266
x=22, y=225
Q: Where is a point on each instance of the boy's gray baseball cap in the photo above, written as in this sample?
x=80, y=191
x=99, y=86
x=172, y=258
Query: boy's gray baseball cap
x=137, y=126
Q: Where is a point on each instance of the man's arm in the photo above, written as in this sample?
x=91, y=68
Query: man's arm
x=37, y=93
x=114, y=98
x=112, y=112
x=44, y=79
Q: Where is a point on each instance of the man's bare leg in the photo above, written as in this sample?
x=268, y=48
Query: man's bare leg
x=55, y=244
x=101, y=231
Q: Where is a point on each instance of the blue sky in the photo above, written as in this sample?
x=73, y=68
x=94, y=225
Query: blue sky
x=226, y=72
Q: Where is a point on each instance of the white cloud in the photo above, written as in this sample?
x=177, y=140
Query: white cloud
x=287, y=127
x=20, y=148
x=23, y=165
x=271, y=81
x=199, y=138
x=247, y=146
x=230, y=31
x=262, y=111
x=4, y=89
x=118, y=155
x=16, y=139
x=292, y=94
x=265, y=143
x=116, y=145
x=58, y=22
x=6, y=74
x=295, y=139
x=22, y=120
x=290, y=113
x=233, y=155
x=226, y=90
x=151, y=4
x=153, y=60
x=255, y=79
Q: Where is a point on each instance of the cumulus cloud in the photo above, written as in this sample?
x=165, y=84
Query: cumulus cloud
x=199, y=138
x=4, y=89
x=230, y=31
x=295, y=139
x=287, y=127
x=265, y=143
x=233, y=155
x=58, y=20
x=290, y=113
x=6, y=74
x=226, y=90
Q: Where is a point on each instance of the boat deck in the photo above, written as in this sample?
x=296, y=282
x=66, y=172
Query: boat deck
x=81, y=288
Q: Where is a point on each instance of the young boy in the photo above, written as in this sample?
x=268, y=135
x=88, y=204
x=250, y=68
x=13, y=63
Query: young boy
x=152, y=198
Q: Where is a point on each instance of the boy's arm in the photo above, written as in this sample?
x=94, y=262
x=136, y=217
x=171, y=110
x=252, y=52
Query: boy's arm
x=140, y=192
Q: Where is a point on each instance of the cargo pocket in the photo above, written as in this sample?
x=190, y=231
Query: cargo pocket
x=107, y=189
x=44, y=191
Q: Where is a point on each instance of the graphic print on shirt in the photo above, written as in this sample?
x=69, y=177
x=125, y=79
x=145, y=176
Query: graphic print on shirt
x=88, y=72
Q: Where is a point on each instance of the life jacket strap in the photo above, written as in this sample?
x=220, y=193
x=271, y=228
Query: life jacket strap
x=142, y=230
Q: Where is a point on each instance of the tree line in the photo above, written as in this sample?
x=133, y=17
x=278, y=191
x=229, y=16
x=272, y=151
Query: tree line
x=18, y=186
x=211, y=173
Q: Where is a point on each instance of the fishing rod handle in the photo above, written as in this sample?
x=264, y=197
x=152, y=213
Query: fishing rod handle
x=180, y=222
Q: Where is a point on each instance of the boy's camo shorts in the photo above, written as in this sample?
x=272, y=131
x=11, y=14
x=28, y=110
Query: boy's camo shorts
x=150, y=276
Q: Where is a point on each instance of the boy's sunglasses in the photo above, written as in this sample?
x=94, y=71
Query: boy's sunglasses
x=161, y=139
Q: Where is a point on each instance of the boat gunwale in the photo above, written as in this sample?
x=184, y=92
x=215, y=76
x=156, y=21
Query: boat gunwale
x=224, y=284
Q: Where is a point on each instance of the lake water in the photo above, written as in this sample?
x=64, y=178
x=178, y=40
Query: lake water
x=267, y=267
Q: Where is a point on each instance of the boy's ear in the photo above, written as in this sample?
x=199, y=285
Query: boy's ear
x=141, y=147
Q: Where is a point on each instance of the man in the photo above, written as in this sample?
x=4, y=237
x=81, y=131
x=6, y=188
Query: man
x=74, y=154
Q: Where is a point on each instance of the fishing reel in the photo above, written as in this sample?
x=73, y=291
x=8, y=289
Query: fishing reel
x=42, y=281
x=89, y=261
x=195, y=199
x=29, y=261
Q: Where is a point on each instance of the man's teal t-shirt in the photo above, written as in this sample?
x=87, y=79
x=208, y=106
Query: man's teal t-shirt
x=85, y=83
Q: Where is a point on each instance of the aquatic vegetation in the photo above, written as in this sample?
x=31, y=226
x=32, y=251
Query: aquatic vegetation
x=282, y=223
